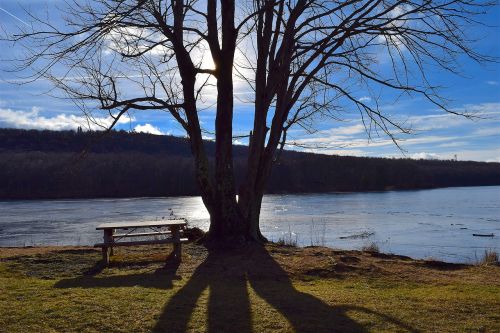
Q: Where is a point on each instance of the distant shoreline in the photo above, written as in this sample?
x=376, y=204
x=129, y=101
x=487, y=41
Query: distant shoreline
x=277, y=193
x=37, y=165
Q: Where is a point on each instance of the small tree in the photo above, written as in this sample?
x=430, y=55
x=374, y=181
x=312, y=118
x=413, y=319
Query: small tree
x=302, y=59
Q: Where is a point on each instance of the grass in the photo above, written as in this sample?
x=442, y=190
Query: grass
x=271, y=289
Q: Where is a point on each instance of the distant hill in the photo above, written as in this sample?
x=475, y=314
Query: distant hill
x=47, y=164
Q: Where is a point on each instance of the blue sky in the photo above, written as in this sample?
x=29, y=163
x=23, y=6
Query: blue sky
x=435, y=133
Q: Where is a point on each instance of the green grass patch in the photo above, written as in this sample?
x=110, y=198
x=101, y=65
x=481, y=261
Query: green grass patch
x=269, y=289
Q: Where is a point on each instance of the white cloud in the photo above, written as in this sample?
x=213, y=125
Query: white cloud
x=349, y=130
x=365, y=99
x=130, y=40
x=487, y=131
x=349, y=136
x=238, y=142
x=481, y=109
x=492, y=83
x=424, y=156
x=453, y=144
x=488, y=155
x=352, y=142
x=428, y=139
x=484, y=113
x=33, y=120
x=342, y=152
x=148, y=128
x=437, y=121
x=437, y=136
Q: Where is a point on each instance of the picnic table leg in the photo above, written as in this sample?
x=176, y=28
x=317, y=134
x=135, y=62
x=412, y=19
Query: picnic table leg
x=177, y=242
x=112, y=249
x=105, y=255
x=108, y=233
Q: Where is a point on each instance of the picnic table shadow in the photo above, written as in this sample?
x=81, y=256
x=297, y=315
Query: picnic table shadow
x=227, y=277
x=161, y=278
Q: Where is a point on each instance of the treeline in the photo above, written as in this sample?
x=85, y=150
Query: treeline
x=67, y=164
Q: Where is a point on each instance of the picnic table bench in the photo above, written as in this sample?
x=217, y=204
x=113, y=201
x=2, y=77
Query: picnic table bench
x=116, y=233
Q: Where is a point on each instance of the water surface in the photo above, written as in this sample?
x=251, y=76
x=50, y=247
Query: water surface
x=436, y=223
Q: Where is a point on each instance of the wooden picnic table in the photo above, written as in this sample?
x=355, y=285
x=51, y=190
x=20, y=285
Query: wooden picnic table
x=116, y=232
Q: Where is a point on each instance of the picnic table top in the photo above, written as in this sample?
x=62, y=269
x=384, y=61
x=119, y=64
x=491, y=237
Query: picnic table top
x=140, y=224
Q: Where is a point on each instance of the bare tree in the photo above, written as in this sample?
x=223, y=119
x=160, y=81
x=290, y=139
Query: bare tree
x=302, y=59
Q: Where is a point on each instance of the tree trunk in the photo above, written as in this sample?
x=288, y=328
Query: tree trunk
x=226, y=227
x=230, y=228
x=227, y=224
x=253, y=220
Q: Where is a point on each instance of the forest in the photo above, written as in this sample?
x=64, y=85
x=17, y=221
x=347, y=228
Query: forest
x=78, y=164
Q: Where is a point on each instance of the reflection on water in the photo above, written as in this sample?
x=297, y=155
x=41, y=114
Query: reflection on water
x=428, y=223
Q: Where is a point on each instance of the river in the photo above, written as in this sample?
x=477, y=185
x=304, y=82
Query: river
x=436, y=223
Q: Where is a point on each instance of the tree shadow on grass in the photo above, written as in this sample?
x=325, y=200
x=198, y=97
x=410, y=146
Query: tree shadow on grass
x=227, y=277
x=229, y=309
x=228, y=302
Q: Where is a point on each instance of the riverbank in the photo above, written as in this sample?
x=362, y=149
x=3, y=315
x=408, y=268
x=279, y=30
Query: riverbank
x=271, y=289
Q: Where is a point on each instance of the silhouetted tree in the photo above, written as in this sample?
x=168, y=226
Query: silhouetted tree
x=303, y=59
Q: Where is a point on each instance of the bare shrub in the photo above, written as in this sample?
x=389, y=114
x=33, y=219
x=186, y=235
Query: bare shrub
x=490, y=257
x=372, y=247
x=288, y=239
x=318, y=233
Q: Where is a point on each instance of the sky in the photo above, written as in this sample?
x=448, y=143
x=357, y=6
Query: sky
x=435, y=135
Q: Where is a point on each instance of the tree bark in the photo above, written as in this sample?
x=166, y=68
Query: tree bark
x=227, y=225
